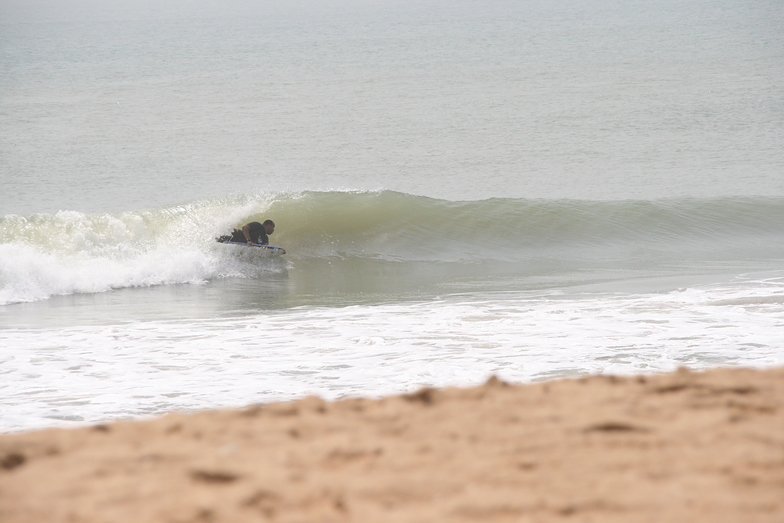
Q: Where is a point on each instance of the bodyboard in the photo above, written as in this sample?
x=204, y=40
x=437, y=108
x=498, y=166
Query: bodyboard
x=266, y=251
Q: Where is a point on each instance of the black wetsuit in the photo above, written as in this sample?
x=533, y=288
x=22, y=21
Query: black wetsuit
x=257, y=234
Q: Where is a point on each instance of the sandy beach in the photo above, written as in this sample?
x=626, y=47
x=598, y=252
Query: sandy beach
x=683, y=446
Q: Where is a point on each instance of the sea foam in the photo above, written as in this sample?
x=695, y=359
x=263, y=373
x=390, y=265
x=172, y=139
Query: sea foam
x=94, y=373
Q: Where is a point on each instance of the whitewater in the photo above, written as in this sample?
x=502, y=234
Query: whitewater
x=519, y=189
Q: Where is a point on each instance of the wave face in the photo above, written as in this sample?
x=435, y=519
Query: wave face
x=70, y=252
x=404, y=227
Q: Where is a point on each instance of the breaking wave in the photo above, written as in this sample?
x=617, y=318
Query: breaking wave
x=71, y=252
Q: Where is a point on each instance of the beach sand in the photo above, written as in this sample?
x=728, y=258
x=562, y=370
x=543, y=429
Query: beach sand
x=683, y=446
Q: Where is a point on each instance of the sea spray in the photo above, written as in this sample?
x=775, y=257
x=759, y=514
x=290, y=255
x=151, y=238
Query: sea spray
x=72, y=252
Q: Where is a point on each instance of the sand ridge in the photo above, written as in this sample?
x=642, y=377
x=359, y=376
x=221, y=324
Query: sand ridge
x=683, y=446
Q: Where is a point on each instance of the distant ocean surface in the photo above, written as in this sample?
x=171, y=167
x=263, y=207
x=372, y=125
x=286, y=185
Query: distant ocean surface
x=527, y=189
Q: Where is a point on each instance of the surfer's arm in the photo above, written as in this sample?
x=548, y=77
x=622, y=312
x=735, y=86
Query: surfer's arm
x=246, y=232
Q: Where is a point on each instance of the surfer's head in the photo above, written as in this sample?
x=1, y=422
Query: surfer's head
x=269, y=226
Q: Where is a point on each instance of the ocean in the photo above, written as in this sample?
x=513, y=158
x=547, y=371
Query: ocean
x=526, y=189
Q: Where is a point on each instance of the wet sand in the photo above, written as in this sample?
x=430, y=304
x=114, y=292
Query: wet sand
x=683, y=446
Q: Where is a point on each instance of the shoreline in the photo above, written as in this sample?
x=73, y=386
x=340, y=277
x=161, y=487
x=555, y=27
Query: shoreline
x=697, y=446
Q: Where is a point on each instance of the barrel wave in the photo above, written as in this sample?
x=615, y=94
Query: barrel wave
x=385, y=236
